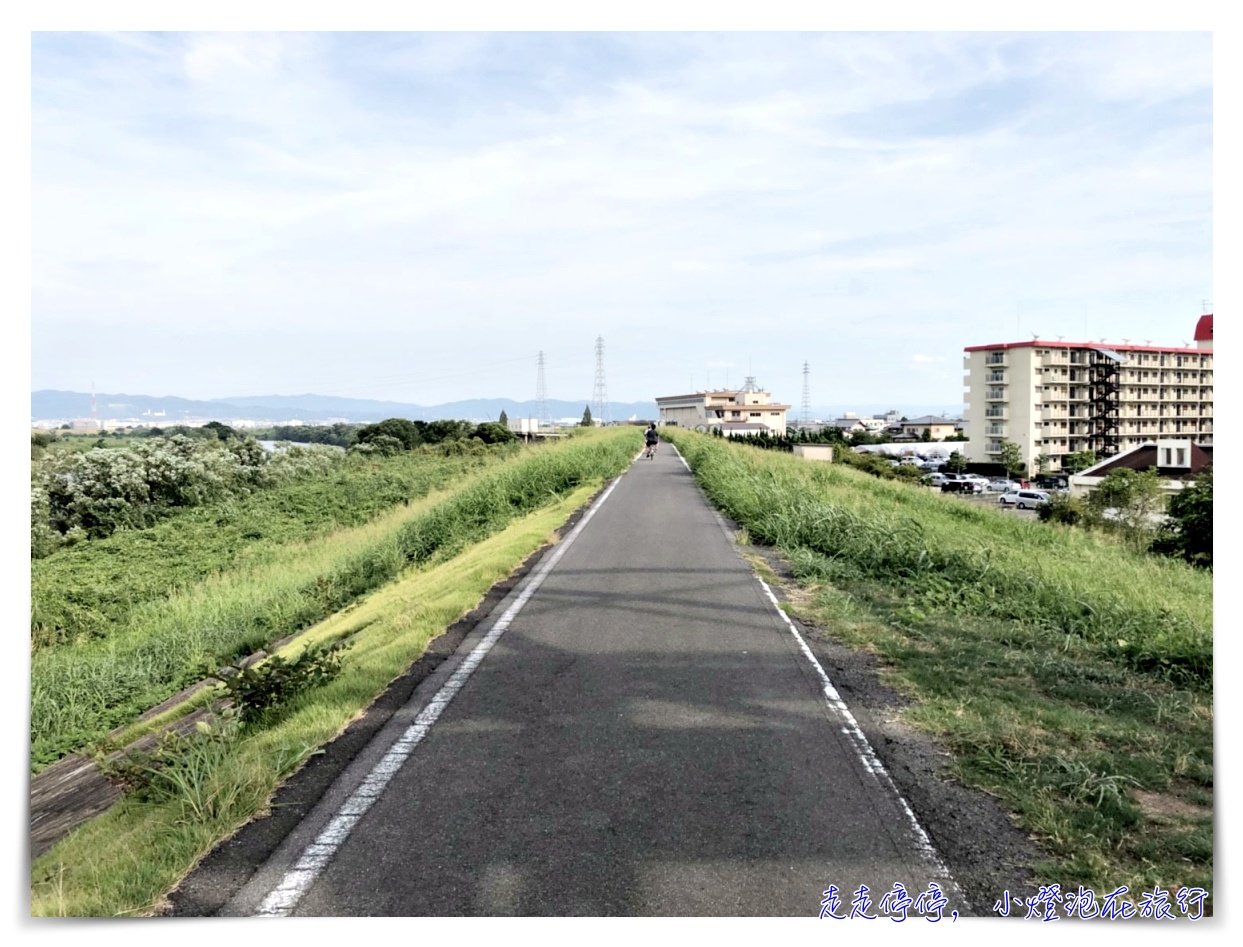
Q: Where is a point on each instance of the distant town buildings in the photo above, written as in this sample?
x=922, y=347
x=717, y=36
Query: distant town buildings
x=1059, y=398
x=732, y=411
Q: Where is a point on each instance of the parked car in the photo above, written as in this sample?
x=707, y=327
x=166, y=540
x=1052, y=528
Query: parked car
x=1024, y=499
x=959, y=483
x=1052, y=484
x=1001, y=485
x=935, y=480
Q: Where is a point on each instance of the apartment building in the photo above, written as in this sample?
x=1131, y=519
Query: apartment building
x=746, y=410
x=1059, y=398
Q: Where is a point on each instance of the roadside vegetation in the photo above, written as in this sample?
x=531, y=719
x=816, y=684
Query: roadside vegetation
x=1068, y=672
x=195, y=791
x=122, y=623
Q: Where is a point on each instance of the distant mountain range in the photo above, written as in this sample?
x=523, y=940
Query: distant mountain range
x=49, y=405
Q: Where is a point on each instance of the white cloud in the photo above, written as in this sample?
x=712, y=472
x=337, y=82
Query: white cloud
x=518, y=192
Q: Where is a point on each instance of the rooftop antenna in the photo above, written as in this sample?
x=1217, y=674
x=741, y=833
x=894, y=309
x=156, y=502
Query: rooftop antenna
x=541, y=396
x=1148, y=341
x=1126, y=341
x=1035, y=336
x=600, y=397
x=806, y=415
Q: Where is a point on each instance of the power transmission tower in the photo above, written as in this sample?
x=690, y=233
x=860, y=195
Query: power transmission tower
x=541, y=396
x=600, y=398
x=806, y=417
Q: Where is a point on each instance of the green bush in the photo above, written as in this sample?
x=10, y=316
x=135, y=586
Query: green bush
x=264, y=686
x=1062, y=508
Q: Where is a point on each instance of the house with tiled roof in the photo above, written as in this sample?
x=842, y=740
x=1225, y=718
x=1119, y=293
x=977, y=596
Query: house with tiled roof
x=1177, y=460
x=938, y=428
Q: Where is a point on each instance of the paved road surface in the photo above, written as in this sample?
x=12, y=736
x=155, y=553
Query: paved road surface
x=647, y=737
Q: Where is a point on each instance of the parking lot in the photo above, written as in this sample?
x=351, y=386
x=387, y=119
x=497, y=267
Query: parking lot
x=987, y=499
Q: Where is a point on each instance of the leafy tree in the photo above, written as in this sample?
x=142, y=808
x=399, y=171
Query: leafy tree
x=1079, y=460
x=858, y=438
x=586, y=421
x=503, y=420
x=492, y=432
x=926, y=435
x=1127, y=501
x=956, y=462
x=434, y=432
x=1189, y=531
x=404, y=431
x=1010, y=457
x=221, y=431
x=385, y=445
x=1042, y=463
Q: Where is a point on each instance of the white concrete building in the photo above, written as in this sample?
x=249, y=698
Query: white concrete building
x=1059, y=398
x=734, y=411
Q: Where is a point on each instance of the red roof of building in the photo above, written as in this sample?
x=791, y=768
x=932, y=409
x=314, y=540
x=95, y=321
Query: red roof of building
x=1204, y=328
x=1083, y=345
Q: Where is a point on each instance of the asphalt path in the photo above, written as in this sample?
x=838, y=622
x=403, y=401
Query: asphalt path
x=636, y=730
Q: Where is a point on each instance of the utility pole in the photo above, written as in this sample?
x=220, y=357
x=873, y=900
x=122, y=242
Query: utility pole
x=600, y=398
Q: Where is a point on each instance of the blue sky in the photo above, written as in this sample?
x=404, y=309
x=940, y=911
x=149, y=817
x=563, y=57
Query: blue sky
x=414, y=217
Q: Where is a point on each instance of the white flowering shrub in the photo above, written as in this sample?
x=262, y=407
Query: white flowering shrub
x=106, y=489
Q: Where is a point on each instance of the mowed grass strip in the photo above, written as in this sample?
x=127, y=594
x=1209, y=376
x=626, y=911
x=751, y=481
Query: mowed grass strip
x=1090, y=721
x=124, y=863
x=79, y=693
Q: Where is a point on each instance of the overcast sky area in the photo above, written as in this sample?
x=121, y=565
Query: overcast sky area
x=414, y=217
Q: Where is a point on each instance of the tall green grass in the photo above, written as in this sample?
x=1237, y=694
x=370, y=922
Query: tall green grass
x=78, y=693
x=1151, y=613
x=88, y=590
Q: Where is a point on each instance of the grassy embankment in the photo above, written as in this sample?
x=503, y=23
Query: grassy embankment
x=122, y=863
x=1069, y=676
x=138, y=648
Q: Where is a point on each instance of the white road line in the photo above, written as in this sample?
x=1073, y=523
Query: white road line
x=867, y=756
x=318, y=855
